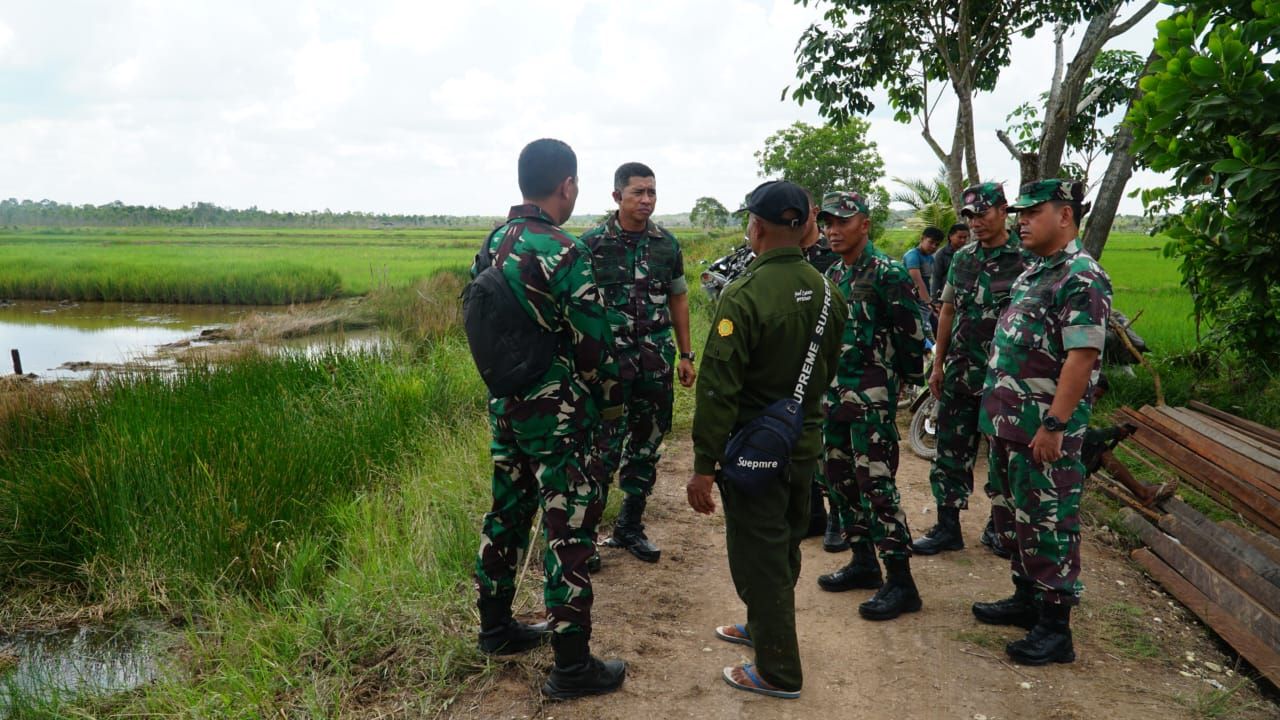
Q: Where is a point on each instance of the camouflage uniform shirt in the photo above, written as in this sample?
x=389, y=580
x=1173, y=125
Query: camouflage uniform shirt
x=978, y=284
x=550, y=272
x=1057, y=305
x=637, y=274
x=883, y=342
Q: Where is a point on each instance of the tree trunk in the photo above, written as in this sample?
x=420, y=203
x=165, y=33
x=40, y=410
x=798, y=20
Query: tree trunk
x=1110, y=190
x=1062, y=109
x=965, y=116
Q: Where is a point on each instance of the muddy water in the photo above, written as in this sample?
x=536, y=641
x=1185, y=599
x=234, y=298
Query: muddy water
x=48, y=664
x=49, y=335
x=64, y=340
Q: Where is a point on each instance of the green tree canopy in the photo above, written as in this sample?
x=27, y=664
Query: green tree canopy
x=1210, y=116
x=821, y=159
x=708, y=213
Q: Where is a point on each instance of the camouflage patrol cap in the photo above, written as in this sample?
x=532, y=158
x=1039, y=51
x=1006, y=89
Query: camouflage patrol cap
x=982, y=197
x=842, y=203
x=1042, y=191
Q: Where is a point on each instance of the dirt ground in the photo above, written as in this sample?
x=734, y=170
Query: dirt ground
x=1140, y=654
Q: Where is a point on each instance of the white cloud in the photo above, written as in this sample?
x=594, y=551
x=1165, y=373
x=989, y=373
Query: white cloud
x=410, y=106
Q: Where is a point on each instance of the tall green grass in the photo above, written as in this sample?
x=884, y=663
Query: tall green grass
x=218, y=477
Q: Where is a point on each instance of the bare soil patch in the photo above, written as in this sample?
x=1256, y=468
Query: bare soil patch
x=1140, y=654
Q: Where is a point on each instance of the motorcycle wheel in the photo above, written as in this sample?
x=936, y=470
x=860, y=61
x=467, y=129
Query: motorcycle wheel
x=923, y=432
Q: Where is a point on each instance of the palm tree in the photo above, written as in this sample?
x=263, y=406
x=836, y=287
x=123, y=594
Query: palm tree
x=931, y=200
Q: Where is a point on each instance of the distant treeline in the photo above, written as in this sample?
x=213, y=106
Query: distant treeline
x=48, y=213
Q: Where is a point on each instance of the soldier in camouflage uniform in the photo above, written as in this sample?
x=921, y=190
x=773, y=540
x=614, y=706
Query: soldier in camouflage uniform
x=976, y=292
x=542, y=438
x=1035, y=410
x=640, y=271
x=883, y=347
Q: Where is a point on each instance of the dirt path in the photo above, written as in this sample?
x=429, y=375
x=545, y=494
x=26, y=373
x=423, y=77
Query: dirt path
x=1131, y=640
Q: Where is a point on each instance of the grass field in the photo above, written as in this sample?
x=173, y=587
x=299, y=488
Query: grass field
x=269, y=267
x=305, y=519
x=312, y=522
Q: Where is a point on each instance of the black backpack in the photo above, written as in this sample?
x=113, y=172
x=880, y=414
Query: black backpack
x=510, y=349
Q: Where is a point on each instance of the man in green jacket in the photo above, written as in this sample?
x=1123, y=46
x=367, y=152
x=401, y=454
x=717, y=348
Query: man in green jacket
x=759, y=344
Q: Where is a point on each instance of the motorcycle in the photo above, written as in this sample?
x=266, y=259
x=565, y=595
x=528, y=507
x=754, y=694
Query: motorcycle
x=725, y=270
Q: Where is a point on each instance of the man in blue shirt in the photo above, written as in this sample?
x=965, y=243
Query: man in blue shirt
x=919, y=264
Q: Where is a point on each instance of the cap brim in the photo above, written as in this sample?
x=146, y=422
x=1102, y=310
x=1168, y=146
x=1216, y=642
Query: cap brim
x=1016, y=206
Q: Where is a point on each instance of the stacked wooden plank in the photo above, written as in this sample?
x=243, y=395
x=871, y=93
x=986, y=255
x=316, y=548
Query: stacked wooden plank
x=1233, y=461
x=1223, y=572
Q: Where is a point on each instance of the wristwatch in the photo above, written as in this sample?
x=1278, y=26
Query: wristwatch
x=688, y=356
x=1053, y=424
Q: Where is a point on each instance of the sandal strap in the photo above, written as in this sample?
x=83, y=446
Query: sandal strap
x=755, y=679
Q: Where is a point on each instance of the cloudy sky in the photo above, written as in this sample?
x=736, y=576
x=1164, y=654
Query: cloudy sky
x=420, y=106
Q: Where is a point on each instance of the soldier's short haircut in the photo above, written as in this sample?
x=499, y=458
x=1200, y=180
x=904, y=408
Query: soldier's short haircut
x=958, y=227
x=544, y=164
x=626, y=171
x=1078, y=209
x=932, y=232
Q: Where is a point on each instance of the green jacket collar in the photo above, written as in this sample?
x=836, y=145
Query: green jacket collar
x=782, y=254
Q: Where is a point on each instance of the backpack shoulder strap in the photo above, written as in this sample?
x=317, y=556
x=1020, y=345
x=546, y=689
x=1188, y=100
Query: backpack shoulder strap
x=484, y=259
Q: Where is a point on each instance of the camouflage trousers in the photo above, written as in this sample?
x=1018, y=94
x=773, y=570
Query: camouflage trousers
x=629, y=445
x=1036, y=511
x=861, y=461
x=951, y=477
x=572, y=502
x=839, y=505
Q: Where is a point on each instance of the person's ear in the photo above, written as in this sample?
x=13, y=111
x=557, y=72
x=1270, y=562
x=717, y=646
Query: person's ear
x=617, y=196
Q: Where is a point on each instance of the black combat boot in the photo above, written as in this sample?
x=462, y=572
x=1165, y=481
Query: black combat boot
x=578, y=673
x=1049, y=641
x=833, y=540
x=594, y=563
x=992, y=540
x=944, y=536
x=899, y=594
x=1020, y=609
x=501, y=634
x=629, y=531
x=863, y=571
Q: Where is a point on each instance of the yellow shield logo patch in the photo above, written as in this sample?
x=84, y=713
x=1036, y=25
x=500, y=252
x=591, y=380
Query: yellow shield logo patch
x=725, y=328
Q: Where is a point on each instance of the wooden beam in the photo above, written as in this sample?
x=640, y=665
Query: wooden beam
x=1271, y=435
x=1243, y=545
x=1264, y=659
x=1255, y=444
x=1258, y=463
x=1231, y=493
x=1262, y=584
x=1261, y=542
x=1217, y=588
x=1209, y=444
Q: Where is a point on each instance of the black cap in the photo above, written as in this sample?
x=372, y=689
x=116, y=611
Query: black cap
x=773, y=199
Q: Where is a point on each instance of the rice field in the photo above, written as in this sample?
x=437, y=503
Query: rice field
x=267, y=267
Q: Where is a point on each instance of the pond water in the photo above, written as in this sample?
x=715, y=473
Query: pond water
x=61, y=340
x=49, y=335
x=45, y=664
